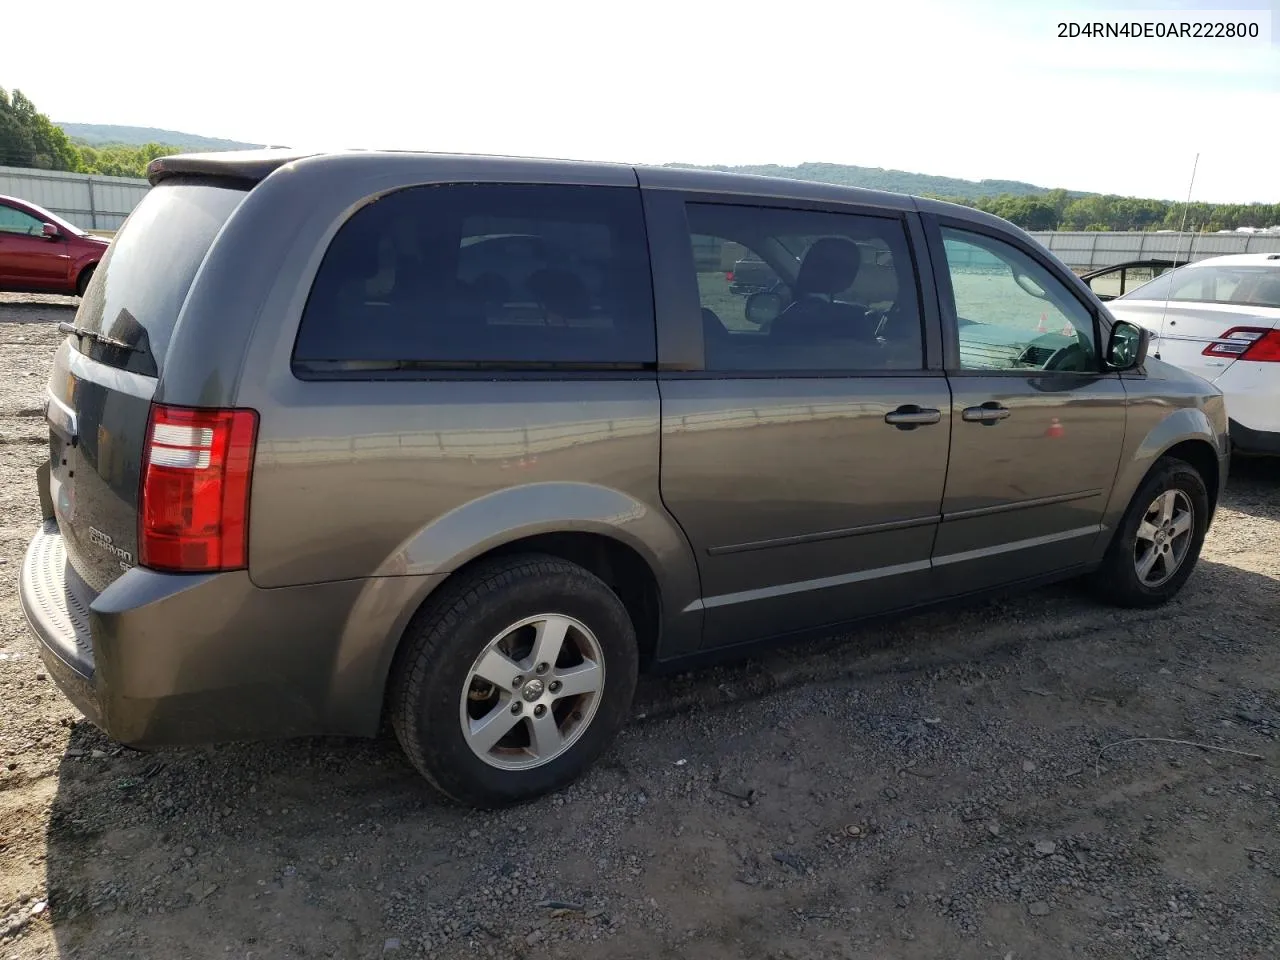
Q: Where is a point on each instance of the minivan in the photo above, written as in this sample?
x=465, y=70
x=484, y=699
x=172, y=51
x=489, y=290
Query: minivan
x=465, y=443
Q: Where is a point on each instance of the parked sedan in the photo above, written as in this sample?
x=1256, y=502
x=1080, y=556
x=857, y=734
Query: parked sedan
x=1220, y=318
x=42, y=253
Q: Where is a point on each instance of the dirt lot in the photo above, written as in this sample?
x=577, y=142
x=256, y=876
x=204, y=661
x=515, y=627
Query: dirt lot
x=934, y=788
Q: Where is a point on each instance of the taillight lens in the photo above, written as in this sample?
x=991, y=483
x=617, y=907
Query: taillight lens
x=1247, y=343
x=728, y=275
x=197, y=464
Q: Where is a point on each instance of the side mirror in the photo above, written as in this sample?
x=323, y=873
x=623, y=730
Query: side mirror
x=1127, y=346
x=763, y=307
x=51, y=232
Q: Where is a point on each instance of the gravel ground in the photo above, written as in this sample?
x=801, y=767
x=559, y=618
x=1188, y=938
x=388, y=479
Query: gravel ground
x=954, y=784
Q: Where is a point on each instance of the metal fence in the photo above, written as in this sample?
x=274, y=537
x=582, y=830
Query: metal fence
x=1087, y=250
x=93, y=202
x=89, y=201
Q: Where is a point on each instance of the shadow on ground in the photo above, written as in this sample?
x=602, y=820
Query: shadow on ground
x=1254, y=487
x=718, y=825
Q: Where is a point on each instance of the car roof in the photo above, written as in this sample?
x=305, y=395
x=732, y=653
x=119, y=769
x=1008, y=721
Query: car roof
x=256, y=165
x=39, y=211
x=20, y=202
x=1238, y=260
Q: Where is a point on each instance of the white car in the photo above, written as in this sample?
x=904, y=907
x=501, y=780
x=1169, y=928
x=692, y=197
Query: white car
x=1219, y=318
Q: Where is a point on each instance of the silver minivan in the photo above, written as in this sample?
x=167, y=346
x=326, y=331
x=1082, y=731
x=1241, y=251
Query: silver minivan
x=467, y=442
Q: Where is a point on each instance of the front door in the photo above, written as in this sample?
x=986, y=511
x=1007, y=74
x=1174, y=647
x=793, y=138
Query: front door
x=1037, y=425
x=806, y=459
x=28, y=259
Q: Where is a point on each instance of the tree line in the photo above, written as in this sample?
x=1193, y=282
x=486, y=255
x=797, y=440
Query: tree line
x=1058, y=210
x=28, y=138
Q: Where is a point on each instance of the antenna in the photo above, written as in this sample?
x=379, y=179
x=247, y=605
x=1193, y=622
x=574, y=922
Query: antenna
x=1186, y=209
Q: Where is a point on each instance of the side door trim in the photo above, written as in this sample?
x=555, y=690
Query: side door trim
x=1022, y=504
x=805, y=586
x=885, y=527
x=1012, y=545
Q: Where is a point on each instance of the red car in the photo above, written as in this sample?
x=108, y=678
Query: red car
x=42, y=253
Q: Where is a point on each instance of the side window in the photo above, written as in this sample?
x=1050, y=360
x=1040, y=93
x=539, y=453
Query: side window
x=798, y=291
x=15, y=221
x=728, y=274
x=1012, y=313
x=1242, y=285
x=484, y=276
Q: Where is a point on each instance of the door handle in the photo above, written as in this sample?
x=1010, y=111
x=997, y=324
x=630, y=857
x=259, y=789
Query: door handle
x=989, y=413
x=909, y=416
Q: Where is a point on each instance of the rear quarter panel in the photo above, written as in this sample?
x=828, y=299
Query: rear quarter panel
x=406, y=478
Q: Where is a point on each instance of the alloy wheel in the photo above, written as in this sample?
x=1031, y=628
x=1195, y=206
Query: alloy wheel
x=1164, y=538
x=532, y=692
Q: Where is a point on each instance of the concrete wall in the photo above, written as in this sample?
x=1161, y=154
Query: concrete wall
x=90, y=202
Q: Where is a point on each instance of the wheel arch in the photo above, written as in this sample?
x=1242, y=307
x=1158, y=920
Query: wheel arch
x=1201, y=455
x=623, y=568
x=618, y=564
x=1186, y=434
x=82, y=274
x=636, y=550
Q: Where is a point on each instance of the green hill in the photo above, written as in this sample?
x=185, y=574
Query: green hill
x=106, y=134
x=878, y=178
x=874, y=178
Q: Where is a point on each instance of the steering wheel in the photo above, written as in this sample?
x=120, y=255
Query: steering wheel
x=1068, y=358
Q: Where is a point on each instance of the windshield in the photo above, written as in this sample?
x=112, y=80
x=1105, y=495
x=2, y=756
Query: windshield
x=62, y=224
x=1245, y=285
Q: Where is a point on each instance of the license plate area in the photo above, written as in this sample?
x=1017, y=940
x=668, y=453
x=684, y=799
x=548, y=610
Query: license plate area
x=63, y=437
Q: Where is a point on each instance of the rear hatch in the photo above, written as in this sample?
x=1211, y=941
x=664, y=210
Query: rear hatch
x=1214, y=315
x=105, y=374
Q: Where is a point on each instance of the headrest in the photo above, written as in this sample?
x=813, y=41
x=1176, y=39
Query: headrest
x=829, y=266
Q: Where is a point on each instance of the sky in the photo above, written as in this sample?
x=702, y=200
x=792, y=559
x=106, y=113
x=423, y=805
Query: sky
x=964, y=88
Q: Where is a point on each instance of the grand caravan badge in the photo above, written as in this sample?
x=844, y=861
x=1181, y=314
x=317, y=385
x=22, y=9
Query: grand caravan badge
x=99, y=538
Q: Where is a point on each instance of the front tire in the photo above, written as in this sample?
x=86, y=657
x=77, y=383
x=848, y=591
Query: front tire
x=1159, y=539
x=512, y=681
x=82, y=282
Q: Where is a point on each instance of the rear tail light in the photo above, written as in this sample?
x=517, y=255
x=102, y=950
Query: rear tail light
x=194, y=507
x=1247, y=343
x=728, y=275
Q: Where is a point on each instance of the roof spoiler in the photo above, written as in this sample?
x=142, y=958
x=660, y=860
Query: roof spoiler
x=252, y=165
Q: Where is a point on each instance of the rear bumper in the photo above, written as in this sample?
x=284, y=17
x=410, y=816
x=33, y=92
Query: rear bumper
x=159, y=659
x=1251, y=390
x=56, y=606
x=1248, y=440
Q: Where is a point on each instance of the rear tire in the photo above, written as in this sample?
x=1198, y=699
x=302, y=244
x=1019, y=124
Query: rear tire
x=1158, y=541
x=558, y=712
x=82, y=282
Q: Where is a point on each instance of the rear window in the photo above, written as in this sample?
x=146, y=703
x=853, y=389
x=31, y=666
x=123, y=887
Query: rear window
x=484, y=276
x=1240, y=285
x=139, y=288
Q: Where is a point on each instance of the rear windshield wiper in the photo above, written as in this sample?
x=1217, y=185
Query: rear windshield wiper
x=93, y=335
